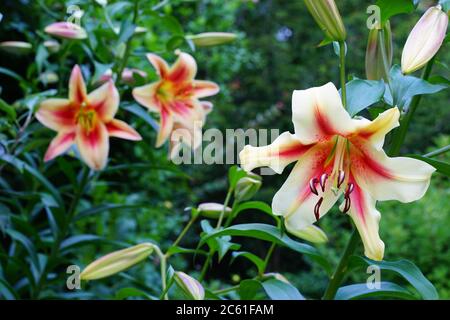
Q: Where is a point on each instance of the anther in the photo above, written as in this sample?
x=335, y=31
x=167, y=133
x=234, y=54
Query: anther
x=348, y=202
x=341, y=178
x=350, y=189
x=323, y=180
x=312, y=185
x=317, y=208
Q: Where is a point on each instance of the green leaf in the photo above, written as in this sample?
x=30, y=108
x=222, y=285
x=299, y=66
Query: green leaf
x=100, y=70
x=257, y=261
x=361, y=94
x=126, y=293
x=280, y=290
x=408, y=270
x=445, y=5
x=255, y=205
x=234, y=175
x=104, y=207
x=221, y=244
x=11, y=73
x=440, y=166
x=7, y=292
x=143, y=114
x=404, y=88
x=249, y=289
x=26, y=243
x=175, y=42
x=361, y=291
x=270, y=233
x=8, y=109
x=78, y=240
x=390, y=8
x=126, y=31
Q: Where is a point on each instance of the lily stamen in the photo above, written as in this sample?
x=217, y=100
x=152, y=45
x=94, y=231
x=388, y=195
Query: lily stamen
x=312, y=186
x=323, y=180
x=341, y=178
x=317, y=208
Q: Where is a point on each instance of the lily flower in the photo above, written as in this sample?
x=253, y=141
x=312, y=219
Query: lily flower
x=67, y=30
x=338, y=156
x=175, y=96
x=86, y=120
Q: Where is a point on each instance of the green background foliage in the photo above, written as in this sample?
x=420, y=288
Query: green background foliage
x=141, y=196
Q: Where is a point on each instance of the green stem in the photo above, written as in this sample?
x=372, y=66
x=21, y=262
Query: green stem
x=219, y=224
x=438, y=152
x=185, y=230
x=342, y=72
x=267, y=258
x=126, y=55
x=163, y=267
x=226, y=290
x=400, y=134
x=341, y=269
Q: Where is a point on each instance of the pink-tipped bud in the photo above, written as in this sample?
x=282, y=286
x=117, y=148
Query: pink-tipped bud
x=424, y=40
x=379, y=53
x=67, y=30
x=128, y=74
x=190, y=286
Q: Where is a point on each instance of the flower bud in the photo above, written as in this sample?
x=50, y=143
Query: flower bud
x=52, y=46
x=377, y=63
x=277, y=276
x=127, y=74
x=310, y=233
x=327, y=16
x=16, y=47
x=117, y=261
x=67, y=30
x=247, y=187
x=190, y=286
x=103, y=3
x=48, y=77
x=212, y=210
x=208, y=39
x=424, y=40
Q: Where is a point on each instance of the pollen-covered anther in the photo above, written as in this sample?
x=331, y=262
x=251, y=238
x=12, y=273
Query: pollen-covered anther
x=323, y=180
x=341, y=178
x=347, y=205
x=350, y=189
x=312, y=185
x=317, y=209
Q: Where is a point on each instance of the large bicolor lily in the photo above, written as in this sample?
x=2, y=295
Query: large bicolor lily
x=86, y=120
x=175, y=96
x=338, y=157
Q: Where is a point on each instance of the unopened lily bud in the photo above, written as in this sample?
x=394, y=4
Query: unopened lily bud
x=327, y=16
x=377, y=63
x=67, y=30
x=103, y=3
x=127, y=74
x=16, y=47
x=247, y=187
x=208, y=39
x=277, y=276
x=424, y=40
x=52, y=46
x=213, y=210
x=190, y=286
x=310, y=233
x=117, y=261
x=48, y=77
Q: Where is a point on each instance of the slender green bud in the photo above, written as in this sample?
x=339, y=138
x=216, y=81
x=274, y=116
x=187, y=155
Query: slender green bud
x=208, y=39
x=379, y=53
x=247, y=187
x=327, y=16
x=212, y=210
x=117, y=261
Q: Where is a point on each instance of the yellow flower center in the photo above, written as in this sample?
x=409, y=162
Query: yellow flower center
x=86, y=118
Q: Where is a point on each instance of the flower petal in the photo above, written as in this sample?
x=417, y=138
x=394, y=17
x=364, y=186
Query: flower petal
x=165, y=127
x=93, y=145
x=205, y=88
x=207, y=106
x=159, y=64
x=120, y=129
x=295, y=200
x=184, y=69
x=60, y=144
x=146, y=96
x=105, y=100
x=402, y=179
x=57, y=114
x=366, y=218
x=284, y=150
x=375, y=131
x=77, y=87
x=318, y=114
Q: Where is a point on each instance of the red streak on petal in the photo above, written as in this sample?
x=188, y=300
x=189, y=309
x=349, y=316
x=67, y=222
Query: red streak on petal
x=323, y=123
x=357, y=202
x=294, y=151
